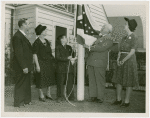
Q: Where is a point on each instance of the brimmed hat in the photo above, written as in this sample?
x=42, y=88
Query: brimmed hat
x=132, y=24
x=39, y=29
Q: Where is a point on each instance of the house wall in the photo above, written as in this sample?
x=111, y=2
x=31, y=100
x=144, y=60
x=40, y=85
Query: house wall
x=7, y=25
x=51, y=19
x=40, y=14
x=28, y=12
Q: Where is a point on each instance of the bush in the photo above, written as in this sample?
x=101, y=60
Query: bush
x=8, y=69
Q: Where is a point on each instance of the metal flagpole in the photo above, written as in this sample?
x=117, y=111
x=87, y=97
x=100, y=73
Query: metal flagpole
x=80, y=71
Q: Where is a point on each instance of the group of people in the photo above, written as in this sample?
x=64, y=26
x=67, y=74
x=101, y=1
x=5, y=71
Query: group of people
x=38, y=58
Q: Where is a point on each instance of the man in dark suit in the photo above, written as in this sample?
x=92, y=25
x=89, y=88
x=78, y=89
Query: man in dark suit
x=97, y=63
x=22, y=65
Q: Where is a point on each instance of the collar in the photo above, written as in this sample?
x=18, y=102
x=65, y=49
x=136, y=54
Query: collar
x=64, y=46
x=37, y=37
x=102, y=39
x=22, y=32
x=102, y=34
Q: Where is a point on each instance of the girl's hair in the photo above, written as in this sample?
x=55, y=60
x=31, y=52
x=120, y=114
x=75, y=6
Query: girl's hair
x=58, y=41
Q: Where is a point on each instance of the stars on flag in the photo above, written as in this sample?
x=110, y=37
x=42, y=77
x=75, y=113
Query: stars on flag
x=85, y=25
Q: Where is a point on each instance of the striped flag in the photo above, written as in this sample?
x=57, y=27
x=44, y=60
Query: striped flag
x=86, y=26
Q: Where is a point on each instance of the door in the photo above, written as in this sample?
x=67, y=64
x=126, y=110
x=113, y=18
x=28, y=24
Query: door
x=60, y=31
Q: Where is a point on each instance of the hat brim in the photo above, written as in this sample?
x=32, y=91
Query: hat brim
x=40, y=29
x=126, y=19
x=130, y=24
x=44, y=28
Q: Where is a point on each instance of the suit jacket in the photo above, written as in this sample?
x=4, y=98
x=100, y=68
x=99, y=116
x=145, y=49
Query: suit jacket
x=98, y=55
x=61, y=55
x=23, y=57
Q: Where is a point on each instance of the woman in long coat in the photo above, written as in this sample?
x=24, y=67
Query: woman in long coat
x=44, y=63
x=127, y=75
x=64, y=68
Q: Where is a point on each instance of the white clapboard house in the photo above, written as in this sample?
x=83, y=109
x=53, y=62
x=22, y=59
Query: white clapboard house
x=59, y=18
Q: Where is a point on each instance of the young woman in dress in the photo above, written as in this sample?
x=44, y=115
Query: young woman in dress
x=127, y=75
x=44, y=63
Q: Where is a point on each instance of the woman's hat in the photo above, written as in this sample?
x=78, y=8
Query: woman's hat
x=39, y=29
x=132, y=24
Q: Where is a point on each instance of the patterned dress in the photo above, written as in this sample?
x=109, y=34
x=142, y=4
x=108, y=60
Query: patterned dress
x=46, y=77
x=127, y=74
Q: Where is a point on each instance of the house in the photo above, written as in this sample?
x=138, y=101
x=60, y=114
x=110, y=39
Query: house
x=59, y=19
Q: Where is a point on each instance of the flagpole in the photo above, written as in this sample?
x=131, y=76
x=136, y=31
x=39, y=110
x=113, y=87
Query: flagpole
x=75, y=16
x=80, y=76
x=80, y=67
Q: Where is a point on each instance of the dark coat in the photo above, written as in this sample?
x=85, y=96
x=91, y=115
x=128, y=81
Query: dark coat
x=46, y=77
x=23, y=57
x=98, y=55
x=61, y=55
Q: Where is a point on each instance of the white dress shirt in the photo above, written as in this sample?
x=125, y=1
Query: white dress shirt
x=22, y=32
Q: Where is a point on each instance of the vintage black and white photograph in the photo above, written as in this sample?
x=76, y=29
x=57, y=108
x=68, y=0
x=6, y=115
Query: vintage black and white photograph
x=75, y=57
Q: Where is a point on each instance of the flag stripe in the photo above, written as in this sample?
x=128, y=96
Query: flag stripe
x=91, y=19
x=87, y=38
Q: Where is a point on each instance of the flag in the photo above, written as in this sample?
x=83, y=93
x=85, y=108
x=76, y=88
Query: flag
x=86, y=26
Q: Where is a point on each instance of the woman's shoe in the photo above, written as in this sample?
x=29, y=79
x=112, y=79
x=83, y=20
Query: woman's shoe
x=42, y=99
x=99, y=101
x=50, y=98
x=30, y=103
x=125, y=105
x=92, y=99
x=117, y=102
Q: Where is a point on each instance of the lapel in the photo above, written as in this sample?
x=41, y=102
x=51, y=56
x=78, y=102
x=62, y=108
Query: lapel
x=65, y=50
x=104, y=38
x=25, y=39
x=100, y=39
